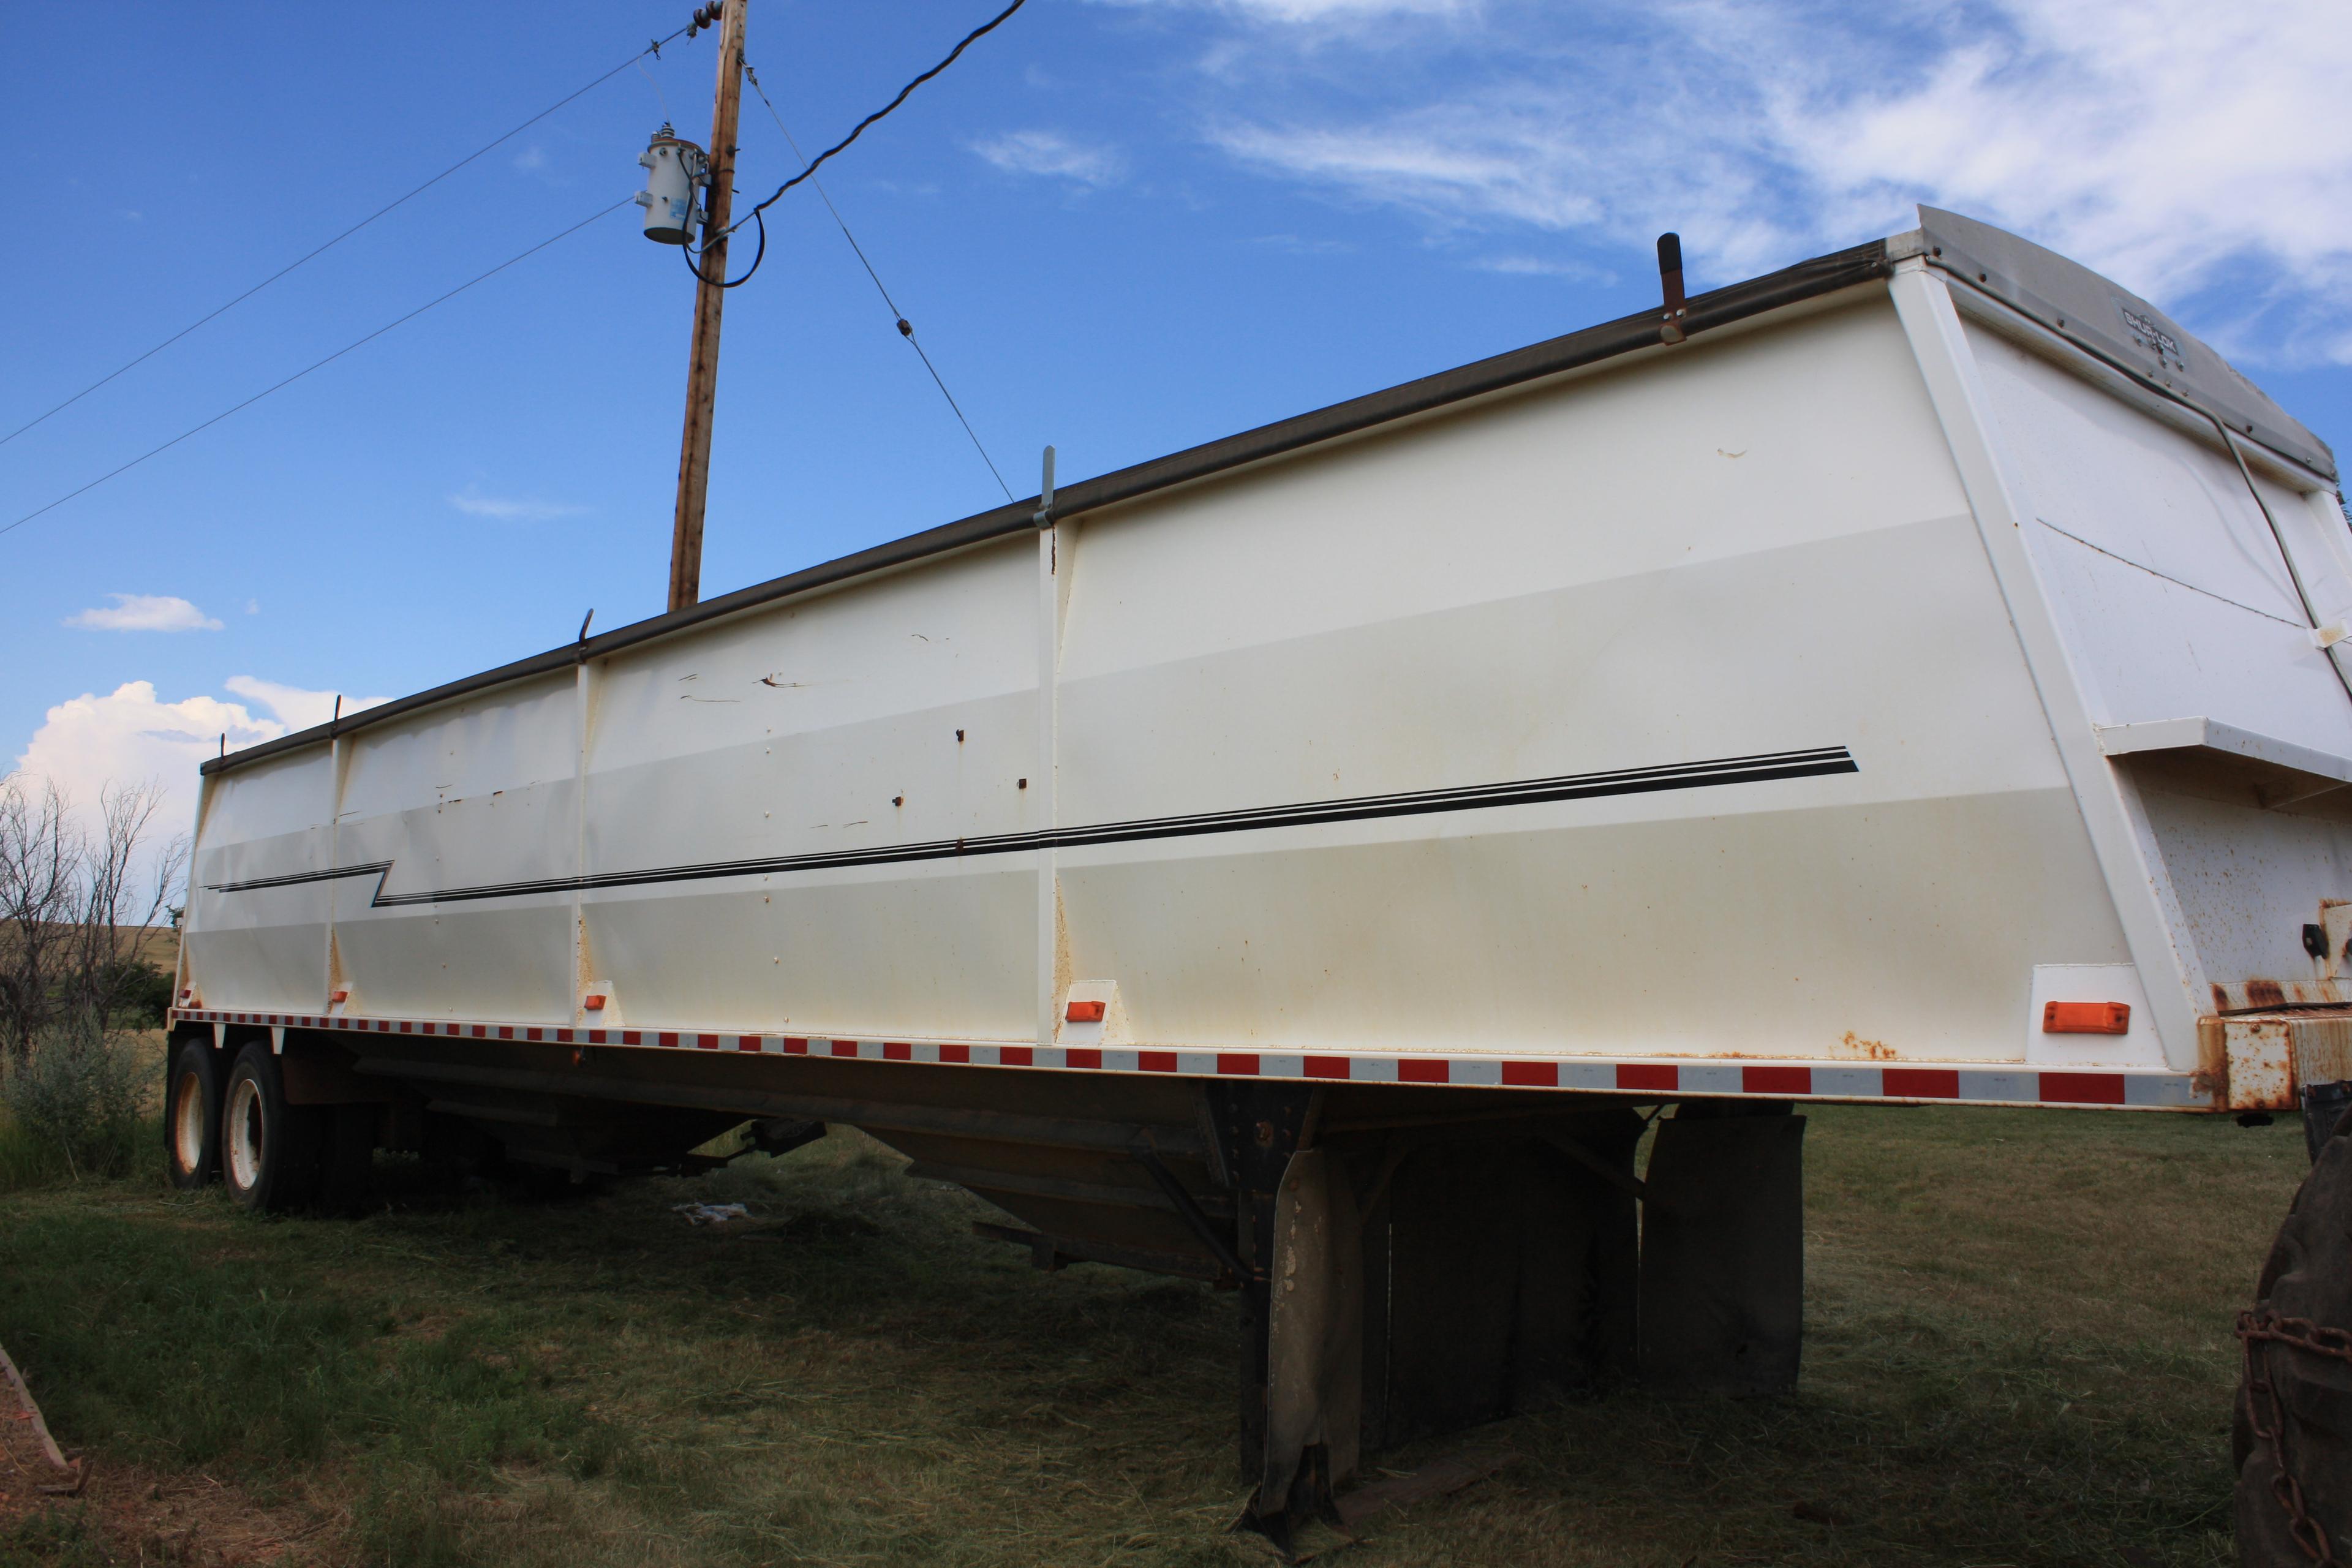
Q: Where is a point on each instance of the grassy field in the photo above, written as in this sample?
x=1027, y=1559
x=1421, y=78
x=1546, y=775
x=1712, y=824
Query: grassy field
x=2019, y=1353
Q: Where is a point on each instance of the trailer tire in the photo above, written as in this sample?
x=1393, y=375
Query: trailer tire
x=191, y=1115
x=2294, y=1393
x=269, y=1151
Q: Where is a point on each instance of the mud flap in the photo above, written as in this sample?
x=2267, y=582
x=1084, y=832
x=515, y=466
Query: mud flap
x=1723, y=1251
x=1314, y=1385
x=2294, y=1396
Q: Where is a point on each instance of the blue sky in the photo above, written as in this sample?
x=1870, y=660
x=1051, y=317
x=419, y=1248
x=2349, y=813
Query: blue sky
x=1121, y=227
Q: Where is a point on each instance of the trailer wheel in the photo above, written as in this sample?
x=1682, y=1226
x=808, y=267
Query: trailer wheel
x=192, y=1116
x=268, y=1149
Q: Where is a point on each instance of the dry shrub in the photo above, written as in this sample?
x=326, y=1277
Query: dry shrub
x=71, y=1107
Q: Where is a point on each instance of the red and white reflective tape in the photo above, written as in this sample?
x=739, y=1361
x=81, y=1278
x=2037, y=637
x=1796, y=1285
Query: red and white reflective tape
x=2005, y=1085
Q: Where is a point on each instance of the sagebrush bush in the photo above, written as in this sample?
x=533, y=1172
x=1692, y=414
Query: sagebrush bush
x=74, y=1103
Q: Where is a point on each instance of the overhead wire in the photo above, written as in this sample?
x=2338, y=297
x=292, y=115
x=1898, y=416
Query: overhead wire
x=904, y=94
x=906, y=329
x=319, y=364
x=694, y=260
x=653, y=48
x=659, y=96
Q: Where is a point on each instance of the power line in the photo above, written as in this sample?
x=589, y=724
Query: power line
x=653, y=48
x=318, y=364
x=906, y=329
x=904, y=94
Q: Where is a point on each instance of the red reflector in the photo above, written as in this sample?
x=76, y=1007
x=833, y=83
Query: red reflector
x=2087, y=1018
x=339, y=997
x=594, y=1001
x=1921, y=1083
x=2082, y=1088
x=1086, y=1012
x=1776, y=1080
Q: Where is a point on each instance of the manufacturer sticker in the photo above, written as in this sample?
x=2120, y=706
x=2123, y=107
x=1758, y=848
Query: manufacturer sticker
x=2154, y=339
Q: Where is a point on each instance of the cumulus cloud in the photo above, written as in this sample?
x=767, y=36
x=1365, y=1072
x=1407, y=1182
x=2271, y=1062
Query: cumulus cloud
x=510, y=509
x=1052, y=153
x=2178, y=148
x=145, y=613
x=131, y=735
x=295, y=706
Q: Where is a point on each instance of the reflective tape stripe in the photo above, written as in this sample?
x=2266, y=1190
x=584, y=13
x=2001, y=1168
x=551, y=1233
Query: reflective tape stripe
x=1980, y=1085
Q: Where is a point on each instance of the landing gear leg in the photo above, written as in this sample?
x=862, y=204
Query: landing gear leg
x=1722, y=1250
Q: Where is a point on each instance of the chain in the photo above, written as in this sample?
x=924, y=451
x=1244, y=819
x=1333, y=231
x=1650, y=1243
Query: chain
x=2303, y=1334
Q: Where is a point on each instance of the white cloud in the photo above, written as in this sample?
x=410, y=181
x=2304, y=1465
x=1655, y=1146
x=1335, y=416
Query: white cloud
x=1327, y=13
x=2176, y=147
x=130, y=736
x=145, y=613
x=1052, y=153
x=297, y=707
x=1520, y=265
x=1296, y=244
x=1313, y=12
x=516, y=509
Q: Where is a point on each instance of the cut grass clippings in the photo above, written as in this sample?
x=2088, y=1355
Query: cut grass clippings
x=2018, y=1352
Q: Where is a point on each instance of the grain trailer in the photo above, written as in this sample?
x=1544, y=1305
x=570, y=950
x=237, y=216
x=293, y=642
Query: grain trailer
x=1917, y=676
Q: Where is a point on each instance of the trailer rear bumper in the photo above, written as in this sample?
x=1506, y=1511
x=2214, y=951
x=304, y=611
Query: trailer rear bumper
x=2214, y=1086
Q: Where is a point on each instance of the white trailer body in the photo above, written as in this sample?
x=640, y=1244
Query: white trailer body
x=1798, y=710
x=1920, y=675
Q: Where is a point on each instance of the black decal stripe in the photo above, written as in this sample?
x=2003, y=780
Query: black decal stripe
x=1808, y=763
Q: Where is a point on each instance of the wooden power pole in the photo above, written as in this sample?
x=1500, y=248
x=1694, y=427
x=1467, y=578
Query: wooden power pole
x=709, y=299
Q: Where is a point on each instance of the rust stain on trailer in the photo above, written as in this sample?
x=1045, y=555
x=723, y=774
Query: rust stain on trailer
x=2323, y=1047
x=1869, y=1050
x=2258, y=1061
x=2262, y=995
x=2211, y=1079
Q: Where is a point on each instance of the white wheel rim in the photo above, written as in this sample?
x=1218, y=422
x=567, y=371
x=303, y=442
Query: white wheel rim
x=243, y=1133
x=188, y=1122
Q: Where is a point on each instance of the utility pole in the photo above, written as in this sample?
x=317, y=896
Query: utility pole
x=709, y=299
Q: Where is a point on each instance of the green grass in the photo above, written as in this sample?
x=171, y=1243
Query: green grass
x=2018, y=1352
